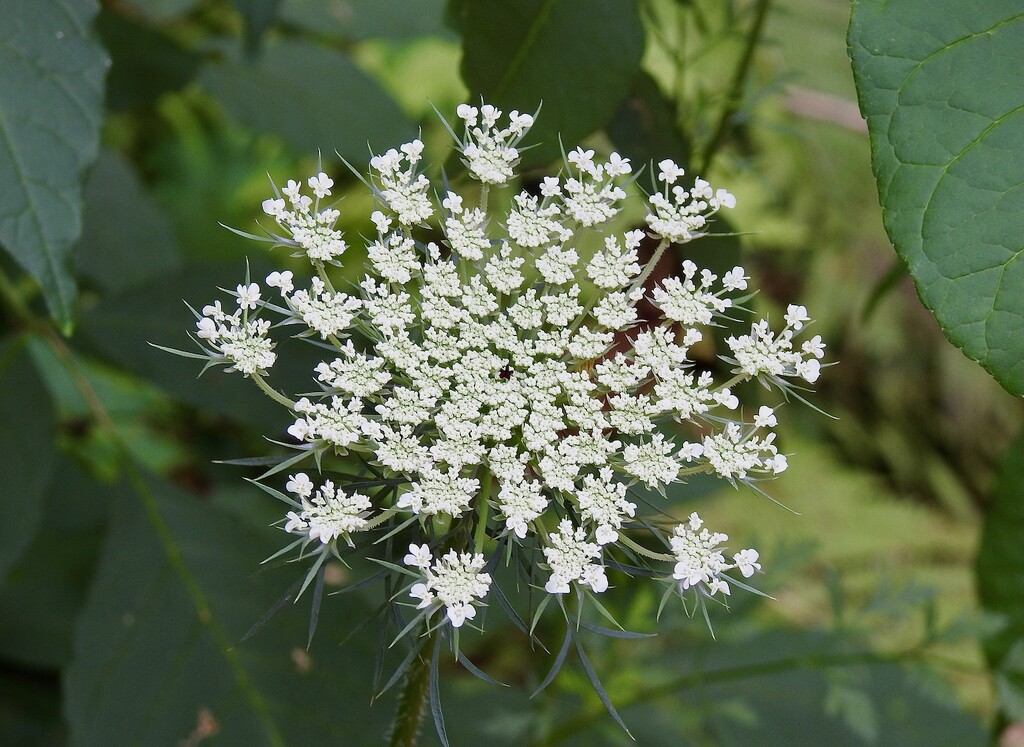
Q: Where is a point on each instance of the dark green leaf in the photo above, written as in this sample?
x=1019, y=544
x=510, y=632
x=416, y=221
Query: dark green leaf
x=645, y=128
x=258, y=15
x=51, y=107
x=939, y=85
x=30, y=712
x=556, y=665
x=145, y=63
x=27, y=444
x=162, y=9
x=578, y=57
x=595, y=682
x=155, y=656
x=1000, y=568
x=46, y=589
x=311, y=97
x=127, y=240
x=367, y=19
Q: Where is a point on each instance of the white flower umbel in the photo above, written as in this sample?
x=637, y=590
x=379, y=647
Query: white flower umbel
x=700, y=561
x=235, y=339
x=512, y=381
x=570, y=558
x=453, y=581
x=311, y=230
x=328, y=514
x=489, y=151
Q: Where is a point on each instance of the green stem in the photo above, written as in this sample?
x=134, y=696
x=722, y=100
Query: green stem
x=483, y=509
x=655, y=258
x=272, y=393
x=738, y=378
x=643, y=550
x=412, y=701
x=15, y=304
x=739, y=79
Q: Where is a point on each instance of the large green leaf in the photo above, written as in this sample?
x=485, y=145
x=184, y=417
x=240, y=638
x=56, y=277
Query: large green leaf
x=939, y=83
x=136, y=247
x=26, y=443
x=145, y=62
x=47, y=588
x=578, y=57
x=1000, y=578
x=259, y=15
x=313, y=98
x=51, y=107
x=156, y=660
x=368, y=19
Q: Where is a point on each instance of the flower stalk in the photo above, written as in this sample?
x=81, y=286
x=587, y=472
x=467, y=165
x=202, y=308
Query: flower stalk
x=412, y=699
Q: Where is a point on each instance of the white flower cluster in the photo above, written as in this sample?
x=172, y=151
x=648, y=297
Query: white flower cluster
x=490, y=152
x=453, y=581
x=700, y=562
x=311, y=229
x=329, y=514
x=679, y=214
x=234, y=338
x=499, y=379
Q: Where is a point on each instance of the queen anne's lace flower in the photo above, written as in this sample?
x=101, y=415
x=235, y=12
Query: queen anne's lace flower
x=680, y=215
x=701, y=564
x=490, y=152
x=570, y=557
x=241, y=342
x=453, y=581
x=311, y=229
x=490, y=377
x=329, y=514
x=763, y=353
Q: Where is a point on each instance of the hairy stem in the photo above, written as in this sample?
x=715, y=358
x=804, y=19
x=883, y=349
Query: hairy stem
x=412, y=701
x=271, y=392
x=655, y=258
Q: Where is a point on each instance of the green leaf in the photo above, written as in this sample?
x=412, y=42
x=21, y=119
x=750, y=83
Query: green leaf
x=51, y=107
x=578, y=57
x=155, y=655
x=127, y=240
x=31, y=709
x=46, y=589
x=939, y=85
x=145, y=63
x=162, y=9
x=1000, y=575
x=313, y=98
x=368, y=19
x=27, y=444
x=259, y=15
x=645, y=128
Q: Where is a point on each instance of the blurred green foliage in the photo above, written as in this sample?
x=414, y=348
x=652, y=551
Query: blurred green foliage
x=129, y=563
